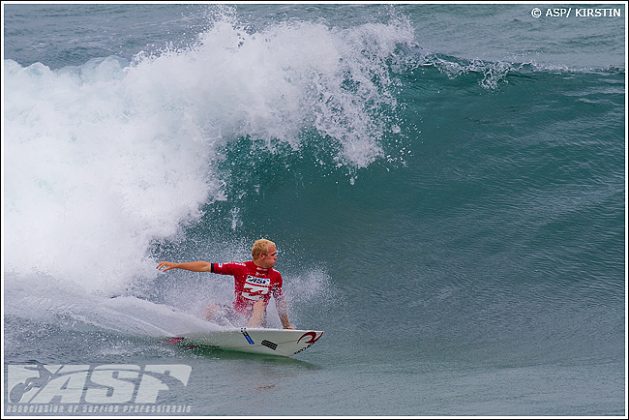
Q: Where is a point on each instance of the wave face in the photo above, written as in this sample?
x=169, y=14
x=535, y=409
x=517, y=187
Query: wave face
x=114, y=155
x=419, y=179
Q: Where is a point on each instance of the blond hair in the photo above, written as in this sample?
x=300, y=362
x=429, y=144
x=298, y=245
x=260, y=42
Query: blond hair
x=261, y=246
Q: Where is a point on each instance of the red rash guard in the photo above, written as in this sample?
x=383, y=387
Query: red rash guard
x=251, y=283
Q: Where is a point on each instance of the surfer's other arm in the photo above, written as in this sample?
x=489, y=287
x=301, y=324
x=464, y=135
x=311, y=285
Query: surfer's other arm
x=198, y=266
x=280, y=304
x=283, y=313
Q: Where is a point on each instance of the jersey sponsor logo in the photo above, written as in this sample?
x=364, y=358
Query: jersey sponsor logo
x=256, y=288
x=258, y=280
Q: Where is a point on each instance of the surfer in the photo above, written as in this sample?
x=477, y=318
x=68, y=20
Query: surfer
x=255, y=281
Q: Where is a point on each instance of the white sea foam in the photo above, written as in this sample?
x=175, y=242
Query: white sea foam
x=57, y=302
x=103, y=158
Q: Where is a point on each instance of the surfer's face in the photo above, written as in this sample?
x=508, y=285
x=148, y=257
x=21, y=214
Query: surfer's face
x=270, y=258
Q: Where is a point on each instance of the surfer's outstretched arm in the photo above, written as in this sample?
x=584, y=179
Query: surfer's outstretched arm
x=198, y=266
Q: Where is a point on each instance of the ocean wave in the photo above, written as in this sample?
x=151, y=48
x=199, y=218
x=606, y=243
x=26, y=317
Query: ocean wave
x=113, y=154
x=116, y=163
x=492, y=73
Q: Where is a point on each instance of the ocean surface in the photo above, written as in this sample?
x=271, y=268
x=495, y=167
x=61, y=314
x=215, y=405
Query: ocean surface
x=445, y=184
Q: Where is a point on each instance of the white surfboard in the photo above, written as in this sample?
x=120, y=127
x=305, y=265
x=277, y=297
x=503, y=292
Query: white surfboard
x=271, y=341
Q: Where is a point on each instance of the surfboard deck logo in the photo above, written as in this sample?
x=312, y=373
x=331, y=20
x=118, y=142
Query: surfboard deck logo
x=247, y=336
x=313, y=337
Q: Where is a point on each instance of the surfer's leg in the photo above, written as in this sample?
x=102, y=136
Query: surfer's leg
x=257, y=314
x=212, y=311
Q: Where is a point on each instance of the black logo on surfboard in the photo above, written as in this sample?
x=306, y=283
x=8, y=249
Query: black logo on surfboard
x=269, y=344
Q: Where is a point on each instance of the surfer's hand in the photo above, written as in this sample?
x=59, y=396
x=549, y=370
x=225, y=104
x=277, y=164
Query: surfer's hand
x=290, y=326
x=165, y=266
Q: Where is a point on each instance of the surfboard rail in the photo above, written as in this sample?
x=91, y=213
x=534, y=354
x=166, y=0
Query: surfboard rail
x=268, y=341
